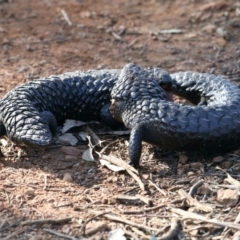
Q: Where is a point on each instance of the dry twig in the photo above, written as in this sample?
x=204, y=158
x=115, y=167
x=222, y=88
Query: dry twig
x=138, y=197
x=120, y=163
x=11, y=225
x=195, y=203
x=190, y=215
x=65, y=16
x=159, y=189
x=125, y=221
x=46, y=221
x=152, y=208
x=14, y=234
x=60, y=234
x=83, y=228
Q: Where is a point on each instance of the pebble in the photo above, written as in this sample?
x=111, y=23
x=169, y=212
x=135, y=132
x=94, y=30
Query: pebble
x=71, y=150
x=218, y=159
x=67, y=177
x=183, y=159
x=228, y=197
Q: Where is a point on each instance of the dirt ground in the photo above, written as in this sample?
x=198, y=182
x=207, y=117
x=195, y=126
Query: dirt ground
x=64, y=192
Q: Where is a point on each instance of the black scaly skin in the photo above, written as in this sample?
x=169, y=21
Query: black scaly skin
x=30, y=113
x=140, y=104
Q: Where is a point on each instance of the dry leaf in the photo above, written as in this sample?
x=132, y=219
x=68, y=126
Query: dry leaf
x=111, y=166
x=116, y=234
x=87, y=155
x=68, y=139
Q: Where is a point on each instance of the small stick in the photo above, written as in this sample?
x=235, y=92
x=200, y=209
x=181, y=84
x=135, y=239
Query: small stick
x=159, y=189
x=237, y=220
x=60, y=234
x=117, y=36
x=83, y=228
x=194, y=202
x=138, y=197
x=11, y=225
x=117, y=161
x=120, y=163
x=66, y=17
x=152, y=208
x=11, y=236
x=46, y=221
x=189, y=215
x=125, y=221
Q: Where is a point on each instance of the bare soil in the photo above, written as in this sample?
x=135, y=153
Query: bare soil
x=42, y=38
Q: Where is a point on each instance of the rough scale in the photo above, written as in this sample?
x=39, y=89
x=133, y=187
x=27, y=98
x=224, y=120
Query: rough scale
x=30, y=113
x=213, y=126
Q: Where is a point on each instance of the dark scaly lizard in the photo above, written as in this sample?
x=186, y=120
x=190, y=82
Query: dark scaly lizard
x=139, y=102
x=30, y=113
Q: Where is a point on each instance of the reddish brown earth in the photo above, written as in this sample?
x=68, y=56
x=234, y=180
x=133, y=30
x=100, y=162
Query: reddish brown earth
x=37, y=40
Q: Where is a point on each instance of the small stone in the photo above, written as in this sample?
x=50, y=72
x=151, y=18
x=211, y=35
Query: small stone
x=70, y=157
x=183, y=159
x=223, y=33
x=203, y=190
x=104, y=200
x=145, y=176
x=226, y=165
x=46, y=156
x=4, y=142
x=67, y=177
x=210, y=28
x=95, y=227
x=218, y=159
x=190, y=35
x=30, y=192
x=194, y=232
x=227, y=197
x=66, y=229
x=197, y=166
x=37, y=237
x=112, y=200
x=71, y=150
x=68, y=139
x=190, y=174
